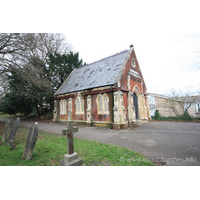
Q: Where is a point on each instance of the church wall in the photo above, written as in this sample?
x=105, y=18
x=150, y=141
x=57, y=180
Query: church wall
x=79, y=116
x=123, y=115
x=126, y=104
x=133, y=83
x=143, y=109
x=125, y=72
x=95, y=117
x=101, y=117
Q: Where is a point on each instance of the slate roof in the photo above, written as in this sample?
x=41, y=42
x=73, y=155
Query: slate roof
x=101, y=73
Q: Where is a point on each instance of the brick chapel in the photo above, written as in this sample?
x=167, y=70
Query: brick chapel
x=110, y=92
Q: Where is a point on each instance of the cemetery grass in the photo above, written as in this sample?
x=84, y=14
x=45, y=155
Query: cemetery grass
x=50, y=149
x=9, y=116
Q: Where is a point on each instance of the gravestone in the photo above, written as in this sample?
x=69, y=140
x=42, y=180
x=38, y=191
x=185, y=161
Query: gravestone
x=30, y=143
x=13, y=131
x=70, y=159
x=5, y=131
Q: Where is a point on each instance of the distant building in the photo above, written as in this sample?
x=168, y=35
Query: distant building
x=110, y=92
x=159, y=102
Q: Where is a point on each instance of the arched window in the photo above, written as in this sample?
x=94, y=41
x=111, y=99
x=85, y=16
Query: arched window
x=106, y=102
x=82, y=105
x=63, y=105
x=102, y=104
x=79, y=104
x=133, y=62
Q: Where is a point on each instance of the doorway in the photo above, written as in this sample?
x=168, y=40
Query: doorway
x=135, y=102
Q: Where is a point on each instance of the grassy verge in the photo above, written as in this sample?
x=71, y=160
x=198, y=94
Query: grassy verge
x=9, y=116
x=50, y=149
x=180, y=118
x=176, y=119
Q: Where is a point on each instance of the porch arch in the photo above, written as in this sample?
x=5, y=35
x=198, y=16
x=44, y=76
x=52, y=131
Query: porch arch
x=137, y=102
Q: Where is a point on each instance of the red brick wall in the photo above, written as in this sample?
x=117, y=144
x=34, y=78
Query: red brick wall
x=133, y=83
x=79, y=116
x=101, y=117
x=125, y=74
x=96, y=117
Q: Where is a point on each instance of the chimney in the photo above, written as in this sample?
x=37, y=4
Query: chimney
x=131, y=46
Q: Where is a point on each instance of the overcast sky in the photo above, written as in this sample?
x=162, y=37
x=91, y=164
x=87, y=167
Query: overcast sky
x=168, y=54
x=167, y=61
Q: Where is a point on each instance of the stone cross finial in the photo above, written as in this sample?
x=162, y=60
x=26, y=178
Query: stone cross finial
x=69, y=131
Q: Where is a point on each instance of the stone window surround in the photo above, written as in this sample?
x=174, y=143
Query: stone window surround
x=63, y=107
x=133, y=62
x=79, y=105
x=102, y=97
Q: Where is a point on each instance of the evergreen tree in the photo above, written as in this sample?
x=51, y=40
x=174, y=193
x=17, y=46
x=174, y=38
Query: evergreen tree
x=60, y=67
x=32, y=87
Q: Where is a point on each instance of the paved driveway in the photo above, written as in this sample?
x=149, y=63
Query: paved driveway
x=175, y=143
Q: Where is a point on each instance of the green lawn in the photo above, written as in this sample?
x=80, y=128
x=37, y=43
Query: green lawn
x=50, y=149
x=9, y=116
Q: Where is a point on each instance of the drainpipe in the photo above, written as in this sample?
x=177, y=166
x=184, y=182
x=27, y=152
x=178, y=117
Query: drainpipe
x=91, y=113
x=112, y=103
x=128, y=109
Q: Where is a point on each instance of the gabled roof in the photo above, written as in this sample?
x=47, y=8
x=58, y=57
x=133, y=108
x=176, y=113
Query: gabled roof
x=101, y=73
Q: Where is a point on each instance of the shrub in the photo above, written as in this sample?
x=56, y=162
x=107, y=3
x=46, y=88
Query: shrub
x=185, y=116
x=157, y=114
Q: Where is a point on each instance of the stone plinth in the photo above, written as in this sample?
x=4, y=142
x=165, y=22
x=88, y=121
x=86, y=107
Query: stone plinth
x=71, y=160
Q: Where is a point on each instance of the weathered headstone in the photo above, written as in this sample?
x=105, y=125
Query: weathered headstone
x=5, y=131
x=13, y=131
x=70, y=159
x=30, y=143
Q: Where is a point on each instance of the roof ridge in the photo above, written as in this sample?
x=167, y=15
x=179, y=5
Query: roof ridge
x=102, y=59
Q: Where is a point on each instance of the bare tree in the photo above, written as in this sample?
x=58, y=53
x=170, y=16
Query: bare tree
x=45, y=43
x=3, y=85
x=12, y=50
x=180, y=102
x=18, y=48
x=24, y=61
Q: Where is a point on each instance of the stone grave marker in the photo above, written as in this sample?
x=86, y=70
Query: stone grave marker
x=13, y=131
x=70, y=159
x=30, y=143
x=5, y=131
